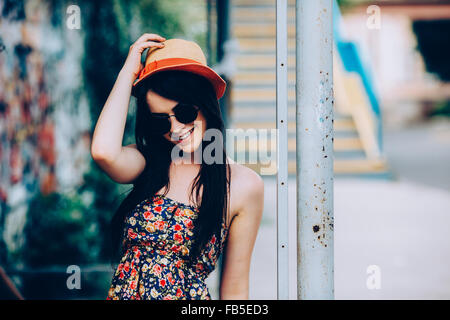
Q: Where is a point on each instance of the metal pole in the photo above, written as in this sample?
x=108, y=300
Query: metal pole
x=208, y=31
x=223, y=34
x=282, y=152
x=314, y=116
x=223, y=26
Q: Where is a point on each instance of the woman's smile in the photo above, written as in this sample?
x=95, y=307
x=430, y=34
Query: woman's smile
x=187, y=136
x=184, y=137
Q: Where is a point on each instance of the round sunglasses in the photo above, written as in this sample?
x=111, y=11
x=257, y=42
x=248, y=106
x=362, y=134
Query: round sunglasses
x=184, y=113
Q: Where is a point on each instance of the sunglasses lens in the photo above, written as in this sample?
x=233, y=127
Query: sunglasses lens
x=186, y=113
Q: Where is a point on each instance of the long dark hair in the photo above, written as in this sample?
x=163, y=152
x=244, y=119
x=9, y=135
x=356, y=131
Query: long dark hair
x=213, y=180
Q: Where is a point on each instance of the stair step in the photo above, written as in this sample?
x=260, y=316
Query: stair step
x=341, y=144
x=267, y=110
x=254, y=93
x=262, y=14
x=257, y=95
x=262, y=6
x=262, y=45
x=338, y=124
x=258, y=78
x=347, y=167
x=261, y=86
x=267, y=115
x=260, y=30
x=338, y=134
x=264, y=69
x=258, y=2
x=268, y=106
x=356, y=166
x=262, y=155
x=260, y=60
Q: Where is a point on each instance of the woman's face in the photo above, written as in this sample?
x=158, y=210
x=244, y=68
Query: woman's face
x=178, y=130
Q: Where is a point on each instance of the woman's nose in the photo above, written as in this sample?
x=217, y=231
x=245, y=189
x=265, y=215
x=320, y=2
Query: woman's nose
x=175, y=124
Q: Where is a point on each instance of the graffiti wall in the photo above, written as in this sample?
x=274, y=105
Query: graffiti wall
x=44, y=118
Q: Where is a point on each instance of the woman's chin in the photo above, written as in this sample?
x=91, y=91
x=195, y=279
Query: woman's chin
x=188, y=146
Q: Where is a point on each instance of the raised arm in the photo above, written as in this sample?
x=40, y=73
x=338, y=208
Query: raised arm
x=122, y=163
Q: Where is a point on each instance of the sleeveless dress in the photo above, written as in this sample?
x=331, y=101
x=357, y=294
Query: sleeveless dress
x=158, y=236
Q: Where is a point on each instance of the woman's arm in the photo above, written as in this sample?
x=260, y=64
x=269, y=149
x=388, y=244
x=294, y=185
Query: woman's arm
x=241, y=239
x=122, y=163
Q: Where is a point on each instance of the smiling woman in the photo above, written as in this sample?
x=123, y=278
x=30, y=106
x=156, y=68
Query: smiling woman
x=181, y=123
x=170, y=230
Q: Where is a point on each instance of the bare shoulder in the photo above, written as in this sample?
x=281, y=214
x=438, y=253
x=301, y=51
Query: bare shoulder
x=246, y=188
x=245, y=181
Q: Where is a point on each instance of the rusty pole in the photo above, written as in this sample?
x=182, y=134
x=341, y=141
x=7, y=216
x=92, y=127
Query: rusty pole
x=314, y=143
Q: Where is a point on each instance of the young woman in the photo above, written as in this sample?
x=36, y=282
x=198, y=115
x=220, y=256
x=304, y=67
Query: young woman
x=173, y=225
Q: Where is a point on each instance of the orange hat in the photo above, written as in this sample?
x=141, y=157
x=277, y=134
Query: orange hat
x=179, y=54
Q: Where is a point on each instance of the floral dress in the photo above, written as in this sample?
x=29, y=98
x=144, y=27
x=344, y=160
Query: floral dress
x=158, y=237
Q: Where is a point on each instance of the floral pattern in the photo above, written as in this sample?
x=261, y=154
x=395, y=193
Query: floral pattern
x=158, y=236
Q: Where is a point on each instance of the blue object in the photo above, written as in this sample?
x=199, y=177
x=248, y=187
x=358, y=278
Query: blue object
x=352, y=62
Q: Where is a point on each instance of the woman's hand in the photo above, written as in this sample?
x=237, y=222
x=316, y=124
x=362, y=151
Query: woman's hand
x=133, y=63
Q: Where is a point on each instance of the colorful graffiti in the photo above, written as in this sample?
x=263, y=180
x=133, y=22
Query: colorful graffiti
x=39, y=97
x=27, y=148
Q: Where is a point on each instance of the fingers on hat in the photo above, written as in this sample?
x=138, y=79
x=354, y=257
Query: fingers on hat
x=150, y=44
x=150, y=36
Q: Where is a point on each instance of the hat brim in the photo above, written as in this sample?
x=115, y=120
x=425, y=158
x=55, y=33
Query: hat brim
x=218, y=83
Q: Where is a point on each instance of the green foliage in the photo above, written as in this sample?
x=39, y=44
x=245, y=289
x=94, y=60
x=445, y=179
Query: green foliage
x=61, y=230
x=441, y=109
x=343, y=4
x=106, y=197
x=433, y=44
x=168, y=21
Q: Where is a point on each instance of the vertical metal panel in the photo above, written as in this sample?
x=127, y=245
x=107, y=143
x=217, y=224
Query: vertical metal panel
x=223, y=8
x=314, y=143
x=282, y=151
x=223, y=26
x=208, y=31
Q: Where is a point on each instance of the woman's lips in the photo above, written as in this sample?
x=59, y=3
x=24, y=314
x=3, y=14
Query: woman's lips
x=184, y=136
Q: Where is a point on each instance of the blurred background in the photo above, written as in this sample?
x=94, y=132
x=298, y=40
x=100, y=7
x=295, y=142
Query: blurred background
x=59, y=61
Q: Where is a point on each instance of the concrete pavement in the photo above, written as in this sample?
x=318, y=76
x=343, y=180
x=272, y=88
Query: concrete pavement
x=399, y=226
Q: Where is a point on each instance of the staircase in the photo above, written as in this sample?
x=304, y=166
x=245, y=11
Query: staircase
x=253, y=24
